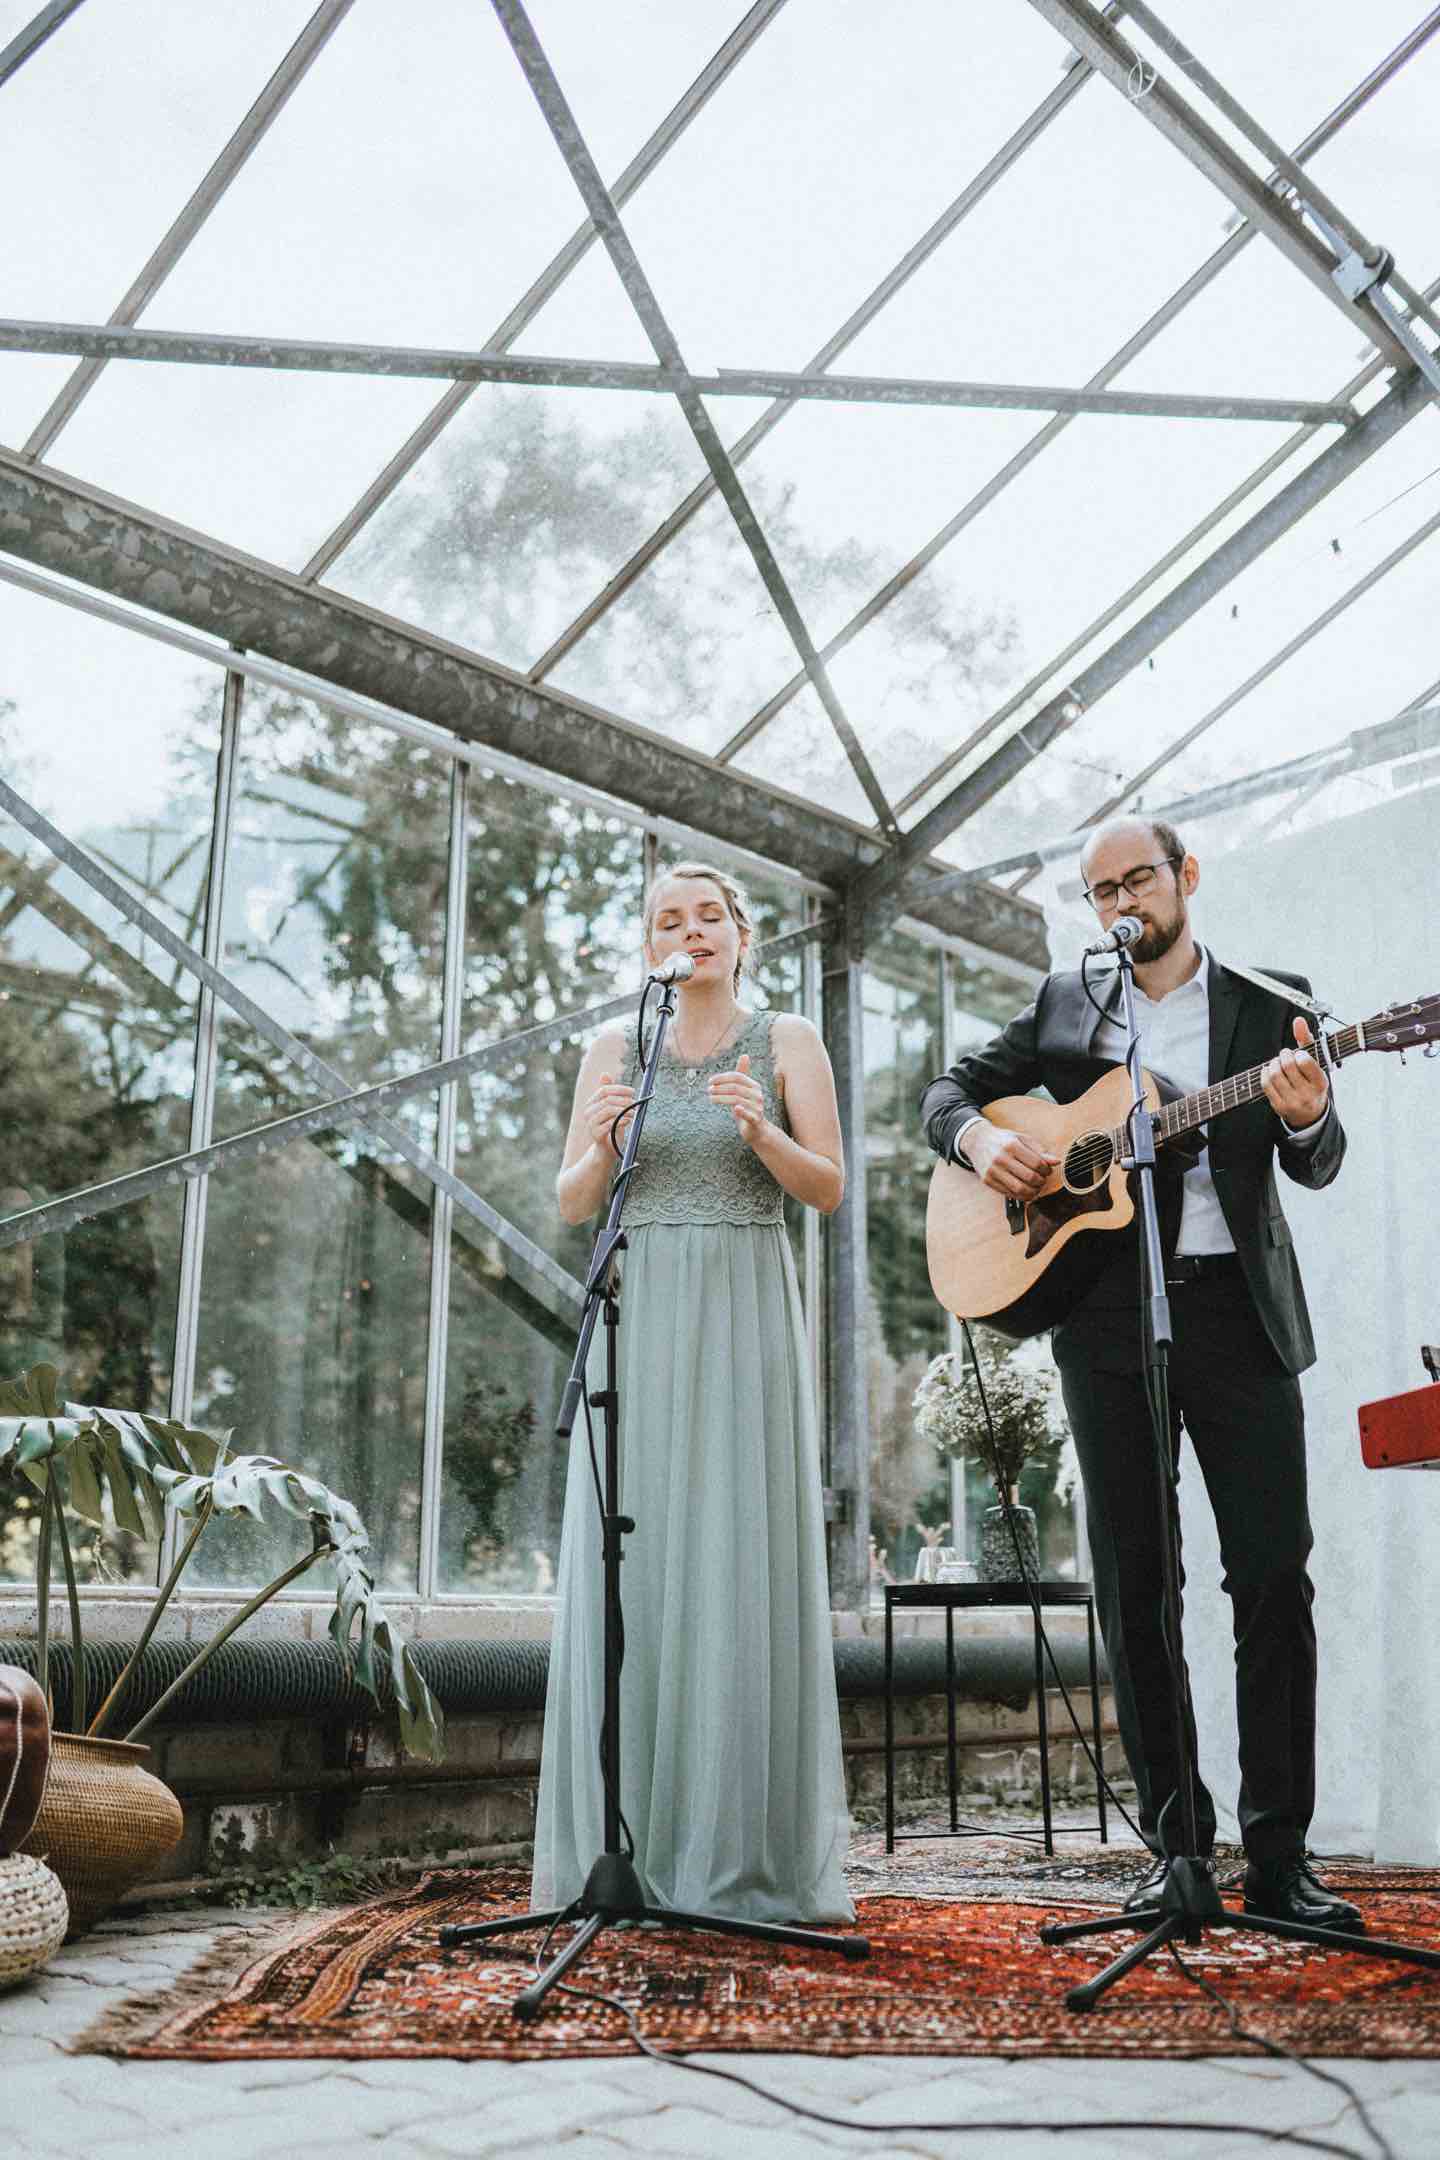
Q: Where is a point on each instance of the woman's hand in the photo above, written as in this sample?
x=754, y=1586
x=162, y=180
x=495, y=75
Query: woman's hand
x=611, y=1096
x=745, y=1098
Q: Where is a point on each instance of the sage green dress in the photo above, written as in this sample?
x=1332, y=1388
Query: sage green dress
x=731, y=1776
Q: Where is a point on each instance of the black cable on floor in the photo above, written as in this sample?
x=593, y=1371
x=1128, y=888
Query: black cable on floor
x=991, y=2125
x=1281, y=2053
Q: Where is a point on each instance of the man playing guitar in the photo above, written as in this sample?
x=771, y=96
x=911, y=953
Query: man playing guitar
x=1242, y=1335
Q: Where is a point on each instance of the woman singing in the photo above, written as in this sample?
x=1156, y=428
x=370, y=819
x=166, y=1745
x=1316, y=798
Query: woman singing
x=732, y=1782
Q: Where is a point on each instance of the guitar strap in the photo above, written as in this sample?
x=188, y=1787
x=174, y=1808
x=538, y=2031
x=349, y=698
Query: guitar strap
x=1287, y=991
x=1318, y=1012
x=1268, y=983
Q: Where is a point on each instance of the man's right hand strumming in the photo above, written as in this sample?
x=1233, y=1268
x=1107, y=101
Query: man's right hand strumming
x=1007, y=1161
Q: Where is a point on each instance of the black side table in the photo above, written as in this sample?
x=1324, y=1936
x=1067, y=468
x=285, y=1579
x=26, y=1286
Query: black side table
x=964, y=1597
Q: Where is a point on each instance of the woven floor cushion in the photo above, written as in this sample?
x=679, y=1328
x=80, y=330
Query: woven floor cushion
x=34, y=1915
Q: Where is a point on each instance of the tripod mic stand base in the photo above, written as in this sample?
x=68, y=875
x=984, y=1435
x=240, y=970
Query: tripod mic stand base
x=613, y=1897
x=1189, y=1904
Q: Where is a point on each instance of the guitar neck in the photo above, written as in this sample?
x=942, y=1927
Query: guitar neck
x=1189, y=1111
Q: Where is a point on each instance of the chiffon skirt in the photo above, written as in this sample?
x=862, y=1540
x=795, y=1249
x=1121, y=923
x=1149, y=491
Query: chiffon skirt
x=731, y=1775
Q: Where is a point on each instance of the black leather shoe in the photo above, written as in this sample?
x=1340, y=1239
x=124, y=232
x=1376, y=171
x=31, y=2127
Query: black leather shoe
x=1148, y=1892
x=1145, y=1897
x=1291, y=1890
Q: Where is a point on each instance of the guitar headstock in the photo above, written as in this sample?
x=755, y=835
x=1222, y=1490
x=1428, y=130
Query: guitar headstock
x=1404, y=1027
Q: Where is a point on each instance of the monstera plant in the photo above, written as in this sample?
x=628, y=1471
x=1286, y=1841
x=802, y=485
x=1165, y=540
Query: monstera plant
x=105, y=1821
x=78, y=1455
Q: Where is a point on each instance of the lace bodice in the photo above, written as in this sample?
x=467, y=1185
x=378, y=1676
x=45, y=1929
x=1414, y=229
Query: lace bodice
x=694, y=1167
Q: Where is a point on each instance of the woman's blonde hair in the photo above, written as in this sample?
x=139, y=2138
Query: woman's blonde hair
x=736, y=904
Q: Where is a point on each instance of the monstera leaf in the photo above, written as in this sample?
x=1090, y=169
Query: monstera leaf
x=78, y=1456
x=95, y=1452
x=243, y=1486
x=422, y=1724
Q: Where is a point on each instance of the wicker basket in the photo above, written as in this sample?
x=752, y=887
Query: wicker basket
x=103, y=1824
x=34, y=1916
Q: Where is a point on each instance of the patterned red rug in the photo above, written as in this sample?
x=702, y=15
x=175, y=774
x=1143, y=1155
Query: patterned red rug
x=964, y=1976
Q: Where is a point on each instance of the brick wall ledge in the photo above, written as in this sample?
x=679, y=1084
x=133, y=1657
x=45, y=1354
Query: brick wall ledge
x=114, y=1614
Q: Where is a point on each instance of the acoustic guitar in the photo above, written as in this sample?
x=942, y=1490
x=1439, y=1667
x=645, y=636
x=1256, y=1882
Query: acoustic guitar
x=1021, y=1265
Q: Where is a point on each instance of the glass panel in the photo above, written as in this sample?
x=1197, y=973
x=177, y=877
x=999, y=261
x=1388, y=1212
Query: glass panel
x=313, y=1326
x=96, y=1023
x=1289, y=83
x=858, y=490
x=133, y=107
x=909, y=1485
x=334, y=905
x=1320, y=696
x=617, y=106
x=262, y=460
x=1072, y=249
x=695, y=644
x=825, y=157
x=1259, y=329
x=28, y=381
x=315, y=1294
x=527, y=505
x=1066, y=540
x=552, y=916
x=801, y=752
x=1313, y=566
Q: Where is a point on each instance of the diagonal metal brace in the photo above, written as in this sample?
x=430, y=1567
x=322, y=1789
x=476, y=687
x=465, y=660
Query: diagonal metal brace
x=315, y=1068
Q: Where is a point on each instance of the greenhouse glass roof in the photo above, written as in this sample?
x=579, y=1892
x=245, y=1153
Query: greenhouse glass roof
x=883, y=437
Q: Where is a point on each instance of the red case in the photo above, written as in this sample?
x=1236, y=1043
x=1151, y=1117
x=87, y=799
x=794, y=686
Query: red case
x=1402, y=1431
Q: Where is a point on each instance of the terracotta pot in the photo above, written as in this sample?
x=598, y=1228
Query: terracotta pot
x=103, y=1823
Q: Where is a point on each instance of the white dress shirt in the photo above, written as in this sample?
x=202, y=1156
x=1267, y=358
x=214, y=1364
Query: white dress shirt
x=1175, y=1041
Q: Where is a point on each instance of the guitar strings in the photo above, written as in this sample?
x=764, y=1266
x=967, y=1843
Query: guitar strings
x=1084, y=1158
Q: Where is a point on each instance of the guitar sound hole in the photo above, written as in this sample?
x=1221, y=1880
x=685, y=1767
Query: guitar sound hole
x=1088, y=1162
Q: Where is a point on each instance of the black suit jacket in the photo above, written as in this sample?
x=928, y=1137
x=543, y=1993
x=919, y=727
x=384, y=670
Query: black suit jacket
x=1051, y=1045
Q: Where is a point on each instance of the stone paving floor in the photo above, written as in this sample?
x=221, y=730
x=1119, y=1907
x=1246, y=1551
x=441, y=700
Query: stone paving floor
x=54, y=2103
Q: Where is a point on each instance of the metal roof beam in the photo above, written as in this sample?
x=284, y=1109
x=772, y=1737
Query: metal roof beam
x=29, y=39
x=75, y=531
x=1334, y=224
x=266, y=108
x=1147, y=94
x=197, y=348
x=1409, y=396
x=551, y=278
x=606, y=219
x=1413, y=730
x=1312, y=629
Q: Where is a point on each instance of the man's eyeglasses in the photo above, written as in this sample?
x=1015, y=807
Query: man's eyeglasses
x=1135, y=882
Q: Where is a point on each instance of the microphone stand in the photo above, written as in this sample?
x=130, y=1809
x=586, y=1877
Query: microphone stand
x=1190, y=1900
x=613, y=1895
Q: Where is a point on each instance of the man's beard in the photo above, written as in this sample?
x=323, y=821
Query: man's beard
x=1158, y=938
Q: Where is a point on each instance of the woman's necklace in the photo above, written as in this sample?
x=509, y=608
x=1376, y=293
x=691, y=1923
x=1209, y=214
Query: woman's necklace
x=692, y=1071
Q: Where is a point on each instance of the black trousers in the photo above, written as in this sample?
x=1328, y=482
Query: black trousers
x=1243, y=1413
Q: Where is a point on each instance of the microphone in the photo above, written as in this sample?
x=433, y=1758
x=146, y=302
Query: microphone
x=678, y=968
x=1127, y=930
